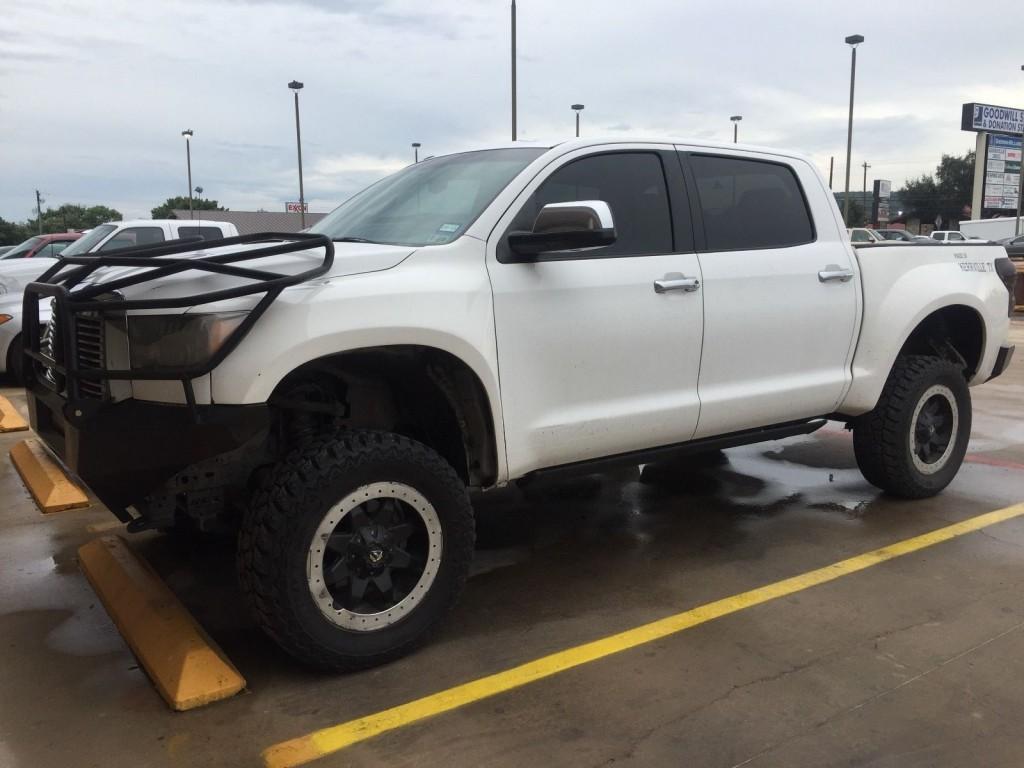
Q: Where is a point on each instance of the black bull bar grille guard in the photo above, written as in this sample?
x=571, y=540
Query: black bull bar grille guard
x=154, y=263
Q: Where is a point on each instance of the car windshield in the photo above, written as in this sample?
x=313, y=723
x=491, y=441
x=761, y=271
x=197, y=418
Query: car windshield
x=86, y=243
x=22, y=249
x=428, y=203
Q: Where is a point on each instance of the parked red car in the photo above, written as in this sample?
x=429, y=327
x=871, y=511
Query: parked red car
x=47, y=246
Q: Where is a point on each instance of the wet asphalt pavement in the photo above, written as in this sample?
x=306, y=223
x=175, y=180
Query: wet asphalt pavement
x=915, y=662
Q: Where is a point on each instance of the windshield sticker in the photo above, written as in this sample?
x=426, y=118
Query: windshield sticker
x=448, y=228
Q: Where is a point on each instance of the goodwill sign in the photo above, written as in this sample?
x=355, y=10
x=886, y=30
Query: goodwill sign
x=986, y=117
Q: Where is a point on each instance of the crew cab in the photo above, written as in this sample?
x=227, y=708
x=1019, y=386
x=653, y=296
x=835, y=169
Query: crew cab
x=489, y=317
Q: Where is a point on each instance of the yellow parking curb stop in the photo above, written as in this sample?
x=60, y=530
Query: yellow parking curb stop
x=187, y=667
x=10, y=419
x=49, y=485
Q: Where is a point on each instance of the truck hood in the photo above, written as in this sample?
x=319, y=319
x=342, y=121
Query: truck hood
x=349, y=259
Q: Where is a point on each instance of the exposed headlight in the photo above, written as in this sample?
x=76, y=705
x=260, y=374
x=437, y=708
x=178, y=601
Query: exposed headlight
x=178, y=341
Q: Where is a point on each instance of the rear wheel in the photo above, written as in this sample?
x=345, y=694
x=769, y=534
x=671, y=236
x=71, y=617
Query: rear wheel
x=355, y=549
x=914, y=441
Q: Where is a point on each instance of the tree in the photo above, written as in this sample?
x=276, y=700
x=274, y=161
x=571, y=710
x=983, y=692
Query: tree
x=12, y=234
x=166, y=209
x=947, y=195
x=72, y=216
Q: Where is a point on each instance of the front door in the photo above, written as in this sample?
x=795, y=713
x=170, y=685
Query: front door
x=593, y=360
x=780, y=294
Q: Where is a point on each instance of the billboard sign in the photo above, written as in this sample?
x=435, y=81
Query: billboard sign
x=296, y=207
x=1001, y=172
x=990, y=118
x=880, y=202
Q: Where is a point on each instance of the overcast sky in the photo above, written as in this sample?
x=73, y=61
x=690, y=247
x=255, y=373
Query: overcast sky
x=94, y=95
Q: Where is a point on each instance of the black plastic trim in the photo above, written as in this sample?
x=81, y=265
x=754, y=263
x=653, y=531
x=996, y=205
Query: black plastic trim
x=1003, y=358
x=676, y=450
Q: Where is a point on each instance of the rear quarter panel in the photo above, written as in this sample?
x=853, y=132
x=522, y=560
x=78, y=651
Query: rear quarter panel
x=902, y=285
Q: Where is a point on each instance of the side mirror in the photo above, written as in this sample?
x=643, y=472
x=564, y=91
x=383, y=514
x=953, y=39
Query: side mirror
x=565, y=227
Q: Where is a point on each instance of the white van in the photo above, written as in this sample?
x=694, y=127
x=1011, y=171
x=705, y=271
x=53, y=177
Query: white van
x=116, y=235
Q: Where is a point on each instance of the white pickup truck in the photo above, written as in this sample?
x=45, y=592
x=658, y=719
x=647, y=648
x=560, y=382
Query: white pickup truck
x=488, y=317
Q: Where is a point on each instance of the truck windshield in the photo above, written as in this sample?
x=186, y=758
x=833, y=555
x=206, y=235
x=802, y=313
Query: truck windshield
x=89, y=240
x=23, y=248
x=428, y=203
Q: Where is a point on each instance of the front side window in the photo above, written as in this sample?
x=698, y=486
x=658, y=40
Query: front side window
x=132, y=238
x=429, y=203
x=750, y=204
x=631, y=183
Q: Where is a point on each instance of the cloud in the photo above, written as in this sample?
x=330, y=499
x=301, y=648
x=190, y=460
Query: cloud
x=93, y=103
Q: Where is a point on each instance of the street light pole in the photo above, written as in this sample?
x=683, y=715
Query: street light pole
x=513, y=70
x=187, y=133
x=577, y=108
x=831, y=165
x=736, y=127
x=39, y=211
x=853, y=41
x=416, y=151
x=296, y=86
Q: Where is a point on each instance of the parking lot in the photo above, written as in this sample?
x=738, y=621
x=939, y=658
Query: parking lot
x=912, y=659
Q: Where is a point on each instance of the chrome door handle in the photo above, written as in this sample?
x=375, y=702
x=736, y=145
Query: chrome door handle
x=686, y=284
x=832, y=274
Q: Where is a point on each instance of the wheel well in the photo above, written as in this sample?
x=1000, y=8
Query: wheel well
x=955, y=333
x=420, y=392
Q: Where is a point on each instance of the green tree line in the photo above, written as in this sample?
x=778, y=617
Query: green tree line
x=71, y=216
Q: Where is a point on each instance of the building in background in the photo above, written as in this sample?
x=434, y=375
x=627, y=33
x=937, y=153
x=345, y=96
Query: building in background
x=250, y=222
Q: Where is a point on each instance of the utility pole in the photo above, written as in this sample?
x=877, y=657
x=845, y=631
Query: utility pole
x=853, y=41
x=39, y=211
x=514, y=70
x=831, y=166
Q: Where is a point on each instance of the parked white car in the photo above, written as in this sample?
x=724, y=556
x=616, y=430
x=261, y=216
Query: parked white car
x=948, y=236
x=866, y=236
x=495, y=316
x=15, y=274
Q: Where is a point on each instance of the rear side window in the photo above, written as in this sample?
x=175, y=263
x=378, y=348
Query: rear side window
x=631, y=183
x=748, y=204
x=206, y=233
x=860, y=236
x=133, y=237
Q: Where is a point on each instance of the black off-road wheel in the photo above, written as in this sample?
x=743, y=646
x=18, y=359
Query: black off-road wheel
x=355, y=548
x=914, y=441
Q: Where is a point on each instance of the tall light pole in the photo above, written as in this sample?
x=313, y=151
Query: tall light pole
x=736, y=127
x=187, y=133
x=296, y=86
x=853, y=41
x=1020, y=179
x=513, y=70
x=416, y=151
x=831, y=166
x=577, y=108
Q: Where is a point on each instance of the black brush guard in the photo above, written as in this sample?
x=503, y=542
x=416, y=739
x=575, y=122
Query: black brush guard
x=126, y=450
x=154, y=262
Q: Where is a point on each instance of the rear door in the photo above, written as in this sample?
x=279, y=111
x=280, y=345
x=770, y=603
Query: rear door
x=780, y=298
x=593, y=359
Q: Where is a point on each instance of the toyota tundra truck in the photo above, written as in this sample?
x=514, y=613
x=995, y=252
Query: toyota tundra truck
x=489, y=317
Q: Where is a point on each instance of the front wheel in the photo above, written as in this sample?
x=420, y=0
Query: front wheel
x=355, y=549
x=914, y=441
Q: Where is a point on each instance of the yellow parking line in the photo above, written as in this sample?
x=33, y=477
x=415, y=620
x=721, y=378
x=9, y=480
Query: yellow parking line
x=305, y=749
